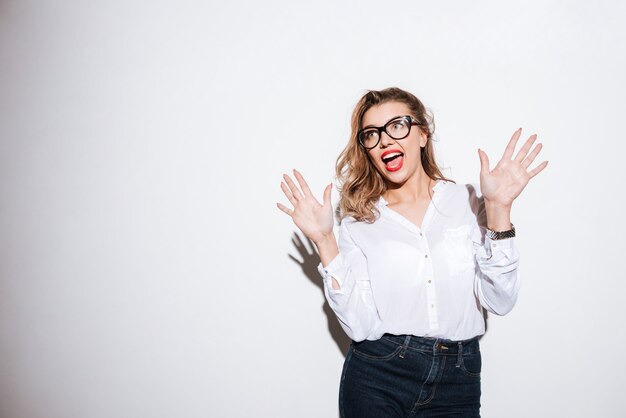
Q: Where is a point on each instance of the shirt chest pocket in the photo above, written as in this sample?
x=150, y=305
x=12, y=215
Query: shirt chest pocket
x=460, y=249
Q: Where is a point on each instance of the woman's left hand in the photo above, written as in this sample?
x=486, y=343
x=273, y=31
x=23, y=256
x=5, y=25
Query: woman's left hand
x=510, y=176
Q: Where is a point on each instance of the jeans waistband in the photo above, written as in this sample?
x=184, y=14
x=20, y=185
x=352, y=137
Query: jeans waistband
x=435, y=345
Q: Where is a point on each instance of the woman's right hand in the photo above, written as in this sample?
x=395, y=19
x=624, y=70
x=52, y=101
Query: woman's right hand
x=315, y=220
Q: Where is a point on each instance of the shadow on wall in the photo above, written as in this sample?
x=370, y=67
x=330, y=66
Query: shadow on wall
x=308, y=264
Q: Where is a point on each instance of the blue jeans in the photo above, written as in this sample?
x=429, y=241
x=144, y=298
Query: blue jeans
x=408, y=376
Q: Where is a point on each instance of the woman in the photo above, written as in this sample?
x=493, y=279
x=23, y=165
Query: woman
x=418, y=259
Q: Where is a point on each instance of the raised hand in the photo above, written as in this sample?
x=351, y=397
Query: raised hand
x=315, y=220
x=510, y=176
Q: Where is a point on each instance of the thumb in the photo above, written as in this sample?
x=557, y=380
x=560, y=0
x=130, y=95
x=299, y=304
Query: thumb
x=484, y=162
x=327, y=191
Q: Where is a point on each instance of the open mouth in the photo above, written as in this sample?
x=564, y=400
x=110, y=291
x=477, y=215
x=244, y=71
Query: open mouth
x=393, y=160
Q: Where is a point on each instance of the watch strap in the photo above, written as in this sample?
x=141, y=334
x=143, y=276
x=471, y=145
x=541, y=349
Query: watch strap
x=496, y=235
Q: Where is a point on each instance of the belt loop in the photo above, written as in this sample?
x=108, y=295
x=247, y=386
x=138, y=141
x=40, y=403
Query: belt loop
x=405, y=345
x=459, y=357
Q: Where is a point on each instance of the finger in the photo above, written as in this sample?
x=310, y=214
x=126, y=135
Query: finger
x=292, y=186
x=284, y=208
x=327, y=191
x=525, y=148
x=508, y=151
x=288, y=193
x=302, y=183
x=484, y=161
x=531, y=157
x=538, y=169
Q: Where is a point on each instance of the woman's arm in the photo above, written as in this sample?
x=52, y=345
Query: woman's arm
x=315, y=220
x=346, y=283
x=348, y=289
x=498, y=279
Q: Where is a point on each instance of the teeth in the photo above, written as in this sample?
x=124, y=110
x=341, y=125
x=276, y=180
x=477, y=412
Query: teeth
x=391, y=156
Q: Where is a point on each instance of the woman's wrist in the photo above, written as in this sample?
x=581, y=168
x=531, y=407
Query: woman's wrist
x=498, y=216
x=323, y=239
x=327, y=248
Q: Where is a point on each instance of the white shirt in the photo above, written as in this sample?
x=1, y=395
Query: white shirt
x=431, y=281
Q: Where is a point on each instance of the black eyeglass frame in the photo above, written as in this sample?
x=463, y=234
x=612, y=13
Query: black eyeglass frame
x=411, y=121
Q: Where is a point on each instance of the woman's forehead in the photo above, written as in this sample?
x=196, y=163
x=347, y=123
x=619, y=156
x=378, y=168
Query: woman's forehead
x=379, y=115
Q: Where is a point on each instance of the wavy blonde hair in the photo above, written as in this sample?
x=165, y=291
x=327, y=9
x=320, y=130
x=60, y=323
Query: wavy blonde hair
x=360, y=184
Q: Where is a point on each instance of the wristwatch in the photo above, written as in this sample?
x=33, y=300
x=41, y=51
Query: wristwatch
x=496, y=235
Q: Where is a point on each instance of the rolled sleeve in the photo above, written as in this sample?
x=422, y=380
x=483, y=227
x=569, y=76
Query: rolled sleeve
x=338, y=269
x=498, y=279
x=354, y=305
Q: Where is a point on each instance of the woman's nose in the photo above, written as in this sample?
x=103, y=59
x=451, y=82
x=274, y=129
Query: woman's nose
x=385, y=139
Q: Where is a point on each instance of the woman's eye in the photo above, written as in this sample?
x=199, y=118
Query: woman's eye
x=397, y=125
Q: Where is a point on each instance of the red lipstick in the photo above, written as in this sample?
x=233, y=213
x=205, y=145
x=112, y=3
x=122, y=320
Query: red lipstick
x=393, y=159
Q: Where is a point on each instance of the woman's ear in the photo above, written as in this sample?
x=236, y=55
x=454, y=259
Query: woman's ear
x=423, y=139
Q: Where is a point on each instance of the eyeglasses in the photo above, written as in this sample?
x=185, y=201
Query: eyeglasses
x=396, y=128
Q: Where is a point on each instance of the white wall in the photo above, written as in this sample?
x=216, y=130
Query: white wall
x=145, y=271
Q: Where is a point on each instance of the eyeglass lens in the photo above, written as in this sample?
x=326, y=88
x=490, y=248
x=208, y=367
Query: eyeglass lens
x=396, y=129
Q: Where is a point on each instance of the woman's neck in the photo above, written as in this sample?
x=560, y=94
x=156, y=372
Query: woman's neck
x=417, y=188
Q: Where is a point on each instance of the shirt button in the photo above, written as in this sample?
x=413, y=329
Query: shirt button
x=429, y=281
x=425, y=255
x=421, y=234
x=432, y=306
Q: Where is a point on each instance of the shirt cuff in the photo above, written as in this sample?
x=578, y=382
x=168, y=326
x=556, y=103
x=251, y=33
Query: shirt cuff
x=334, y=269
x=501, y=244
x=491, y=247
